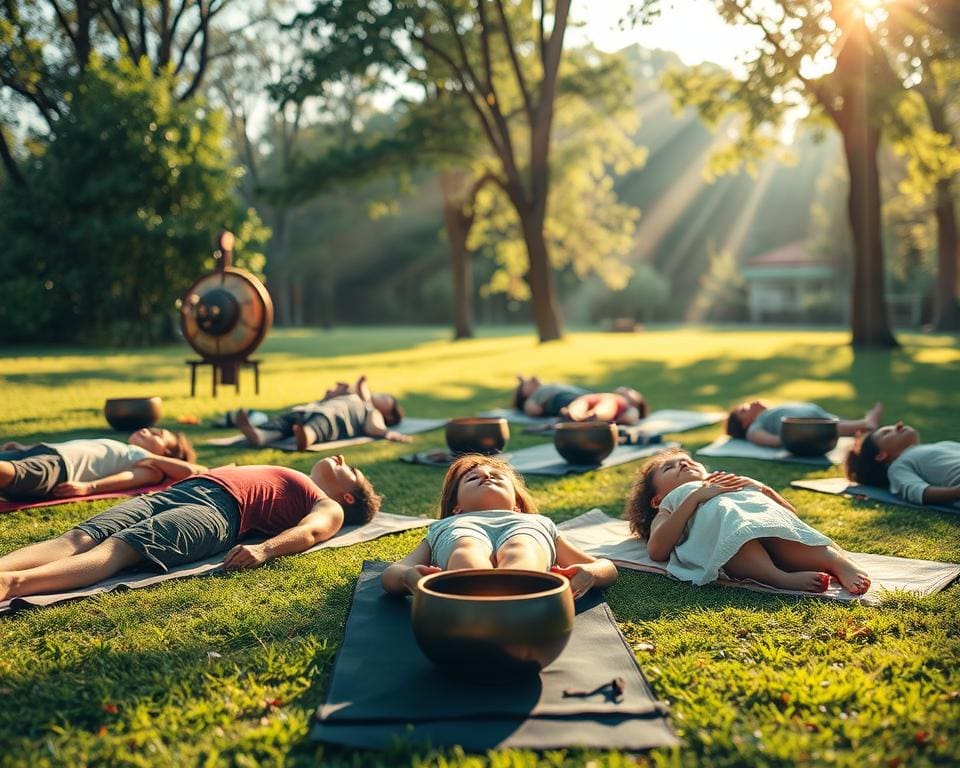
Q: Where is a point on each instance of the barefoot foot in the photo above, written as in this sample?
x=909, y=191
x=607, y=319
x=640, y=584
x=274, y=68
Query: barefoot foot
x=253, y=435
x=303, y=436
x=805, y=581
x=6, y=586
x=853, y=578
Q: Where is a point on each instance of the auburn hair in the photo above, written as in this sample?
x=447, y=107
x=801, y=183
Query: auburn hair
x=460, y=467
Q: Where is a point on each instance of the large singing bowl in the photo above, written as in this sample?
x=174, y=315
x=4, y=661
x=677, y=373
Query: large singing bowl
x=808, y=437
x=585, y=442
x=128, y=414
x=474, y=435
x=492, y=623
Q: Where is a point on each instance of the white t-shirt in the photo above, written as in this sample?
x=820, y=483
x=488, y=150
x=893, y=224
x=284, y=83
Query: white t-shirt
x=87, y=460
x=921, y=466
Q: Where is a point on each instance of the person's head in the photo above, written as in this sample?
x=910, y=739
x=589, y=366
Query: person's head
x=389, y=408
x=475, y=483
x=872, y=453
x=653, y=481
x=635, y=400
x=525, y=388
x=164, y=442
x=742, y=416
x=349, y=487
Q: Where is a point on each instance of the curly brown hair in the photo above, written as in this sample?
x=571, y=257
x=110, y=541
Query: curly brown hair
x=735, y=427
x=182, y=449
x=460, y=467
x=639, y=509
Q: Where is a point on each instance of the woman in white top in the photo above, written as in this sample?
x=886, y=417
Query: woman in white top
x=89, y=466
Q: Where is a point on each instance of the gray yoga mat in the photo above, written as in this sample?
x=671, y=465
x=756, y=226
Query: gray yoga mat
x=381, y=525
x=544, y=459
x=382, y=691
x=727, y=446
x=602, y=536
x=517, y=417
x=650, y=429
x=840, y=486
x=409, y=426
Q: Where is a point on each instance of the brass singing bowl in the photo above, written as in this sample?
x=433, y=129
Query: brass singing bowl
x=585, y=442
x=808, y=437
x=476, y=435
x=492, y=623
x=128, y=414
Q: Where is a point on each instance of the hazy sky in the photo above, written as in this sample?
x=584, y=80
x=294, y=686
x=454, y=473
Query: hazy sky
x=691, y=28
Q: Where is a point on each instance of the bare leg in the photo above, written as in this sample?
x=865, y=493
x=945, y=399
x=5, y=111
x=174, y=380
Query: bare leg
x=71, y=572
x=524, y=552
x=305, y=435
x=6, y=473
x=794, y=556
x=470, y=553
x=752, y=561
x=71, y=543
x=869, y=422
x=253, y=434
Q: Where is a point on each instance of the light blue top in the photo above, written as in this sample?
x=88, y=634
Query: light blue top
x=770, y=419
x=920, y=466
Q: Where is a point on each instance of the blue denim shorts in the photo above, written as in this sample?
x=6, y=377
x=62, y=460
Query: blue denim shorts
x=493, y=527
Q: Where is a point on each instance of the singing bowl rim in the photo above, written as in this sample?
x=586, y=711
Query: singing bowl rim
x=476, y=421
x=586, y=426
x=129, y=400
x=813, y=420
x=563, y=584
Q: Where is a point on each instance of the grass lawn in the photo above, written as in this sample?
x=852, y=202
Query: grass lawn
x=229, y=669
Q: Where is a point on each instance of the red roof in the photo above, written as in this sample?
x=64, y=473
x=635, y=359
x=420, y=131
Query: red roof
x=789, y=255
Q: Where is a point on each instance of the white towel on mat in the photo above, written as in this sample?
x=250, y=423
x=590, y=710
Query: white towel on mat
x=723, y=524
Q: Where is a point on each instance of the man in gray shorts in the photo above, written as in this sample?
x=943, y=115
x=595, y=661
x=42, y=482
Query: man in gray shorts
x=195, y=519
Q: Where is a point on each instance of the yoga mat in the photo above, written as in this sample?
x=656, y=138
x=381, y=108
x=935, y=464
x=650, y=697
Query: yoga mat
x=604, y=536
x=517, y=417
x=409, y=426
x=381, y=525
x=840, y=486
x=544, y=459
x=13, y=506
x=743, y=449
x=381, y=691
x=653, y=426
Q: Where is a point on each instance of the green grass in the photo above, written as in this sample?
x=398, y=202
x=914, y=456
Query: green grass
x=229, y=669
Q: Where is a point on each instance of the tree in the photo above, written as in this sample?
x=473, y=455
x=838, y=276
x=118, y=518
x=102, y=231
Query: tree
x=46, y=47
x=117, y=215
x=478, y=48
x=927, y=55
x=856, y=97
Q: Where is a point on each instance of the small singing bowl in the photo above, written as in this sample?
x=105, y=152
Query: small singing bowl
x=808, y=437
x=585, y=442
x=492, y=623
x=128, y=414
x=473, y=435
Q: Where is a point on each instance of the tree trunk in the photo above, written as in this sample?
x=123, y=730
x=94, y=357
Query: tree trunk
x=277, y=267
x=861, y=139
x=946, y=314
x=540, y=277
x=457, y=222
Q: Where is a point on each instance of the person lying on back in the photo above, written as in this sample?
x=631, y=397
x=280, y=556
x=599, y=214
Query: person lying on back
x=336, y=417
x=534, y=398
x=760, y=423
x=195, y=519
x=919, y=473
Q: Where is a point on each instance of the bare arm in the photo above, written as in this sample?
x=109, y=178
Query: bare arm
x=762, y=437
x=323, y=521
x=583, y=570
x=175, y=469
x=374, y=426
x=401, y=577
x=938, y=494
x=137, y=477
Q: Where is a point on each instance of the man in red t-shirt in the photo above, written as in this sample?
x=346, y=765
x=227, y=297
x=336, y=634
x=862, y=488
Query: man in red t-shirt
x=196, y=519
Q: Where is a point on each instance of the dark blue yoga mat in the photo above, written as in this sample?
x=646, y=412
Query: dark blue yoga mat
x=383, y=689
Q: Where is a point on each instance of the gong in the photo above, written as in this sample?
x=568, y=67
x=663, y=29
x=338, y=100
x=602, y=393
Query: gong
x=226, y=314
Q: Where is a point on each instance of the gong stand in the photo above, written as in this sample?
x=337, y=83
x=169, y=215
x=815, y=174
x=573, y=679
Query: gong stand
x=224, y=316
